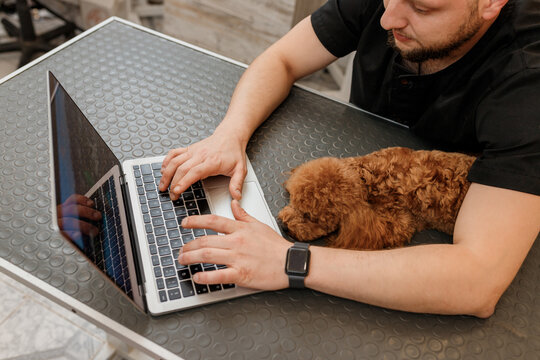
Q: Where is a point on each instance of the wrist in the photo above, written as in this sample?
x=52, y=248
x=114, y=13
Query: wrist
x=240, y=134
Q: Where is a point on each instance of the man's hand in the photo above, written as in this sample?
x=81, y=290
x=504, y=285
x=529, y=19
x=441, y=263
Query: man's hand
x=253, y=252
x=72, y=216
x=219, y=154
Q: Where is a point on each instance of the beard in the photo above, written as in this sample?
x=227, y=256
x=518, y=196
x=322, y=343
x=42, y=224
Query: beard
x=441, y=50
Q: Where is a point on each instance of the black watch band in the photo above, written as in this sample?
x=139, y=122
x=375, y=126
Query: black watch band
x=297, y=264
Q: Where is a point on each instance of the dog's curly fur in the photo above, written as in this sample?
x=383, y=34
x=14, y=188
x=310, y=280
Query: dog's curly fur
x=378, y=200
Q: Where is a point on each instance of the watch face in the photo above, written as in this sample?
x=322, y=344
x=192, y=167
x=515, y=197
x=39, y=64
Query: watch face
x=297, y=261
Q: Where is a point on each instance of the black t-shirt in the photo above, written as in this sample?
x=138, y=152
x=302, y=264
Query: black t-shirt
x=488, y=102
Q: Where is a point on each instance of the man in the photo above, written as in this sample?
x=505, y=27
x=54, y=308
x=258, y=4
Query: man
x=464, y=73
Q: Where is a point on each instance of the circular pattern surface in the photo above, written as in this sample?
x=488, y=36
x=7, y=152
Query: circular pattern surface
x=145, y=95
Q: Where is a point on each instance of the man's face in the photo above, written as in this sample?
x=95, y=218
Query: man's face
x=424, y=30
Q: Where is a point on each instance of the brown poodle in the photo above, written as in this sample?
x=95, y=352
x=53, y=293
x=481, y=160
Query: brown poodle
x=378, y=200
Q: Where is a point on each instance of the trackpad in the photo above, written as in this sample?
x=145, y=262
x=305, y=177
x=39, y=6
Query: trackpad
x=252, y=201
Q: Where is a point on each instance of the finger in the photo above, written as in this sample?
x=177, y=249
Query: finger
x=172, y=154
x=72, y=235
x=170, y=170
x=223, y=276
x=239, y=213
x=80, y=211
x=77, y=199
x=213, y=222
x=205, y=255
x=237, y=182
x=176, y=189
x=208, y=241
x=73, y=224
x=193, y=175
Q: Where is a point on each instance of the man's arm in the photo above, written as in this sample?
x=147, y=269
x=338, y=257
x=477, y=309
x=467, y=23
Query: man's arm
x=495, y=230
x=262, y=87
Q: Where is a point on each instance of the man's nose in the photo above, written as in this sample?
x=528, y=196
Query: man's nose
x=393, y=16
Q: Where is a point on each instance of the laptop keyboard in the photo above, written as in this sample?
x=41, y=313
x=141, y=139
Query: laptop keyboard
x=107, y=249
x=165, y=236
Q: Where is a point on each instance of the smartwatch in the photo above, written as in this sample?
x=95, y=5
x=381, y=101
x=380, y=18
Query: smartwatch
x=297, y=264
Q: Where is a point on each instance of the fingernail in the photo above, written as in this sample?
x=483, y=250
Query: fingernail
x=196, y=277
x=184, y=222
x=177, y=189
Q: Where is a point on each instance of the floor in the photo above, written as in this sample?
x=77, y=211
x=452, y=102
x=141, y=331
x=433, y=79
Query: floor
x=34, y=328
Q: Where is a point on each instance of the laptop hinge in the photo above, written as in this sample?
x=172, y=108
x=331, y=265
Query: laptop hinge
x=132, y=234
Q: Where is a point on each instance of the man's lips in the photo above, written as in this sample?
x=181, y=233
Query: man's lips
x=400, y=37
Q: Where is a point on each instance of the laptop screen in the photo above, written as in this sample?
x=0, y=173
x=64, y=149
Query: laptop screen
x=87, y=190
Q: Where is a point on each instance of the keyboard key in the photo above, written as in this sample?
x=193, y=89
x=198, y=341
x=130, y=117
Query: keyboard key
x=199, y=194
x=198, y=232
x=201, y=289
x=156, y=166
x=144, y=209
x=175, y=253
x=193, y=212
x=180, y=211
x=160, y=284
x=166, y=206
x=195, y=268
x=151, y=195
x=183, y=274
x=188, y=196
x=164, y=250
x=142, y=199
x=228, y=286
x=157, y=271
x=139, y=182
x=176, y=243
x=146, y=169
x=146, y=218
x=187, y=288
x=137, y=173
x=170, y=224
x=204, y=208
x=148, y=228
x=153, y=204
x=153, y=249
x=178, y=202
x=163, y=197
x=210, y=232
x=169, y=271
x=209, y=267
x=157, y=174
x=162, y=240
x=166, y=261
x=174, y=294
x=173, y=234
x=140, y=190
x=187, y=238
x=162, y=296
x=171, y=283
x=155, y=260
x=168, y=215
x=155, y=212
x=160, y=231
x=190, y=205
x=215, y=287
x=149, y=187
x=148, y=179
x=150, y=238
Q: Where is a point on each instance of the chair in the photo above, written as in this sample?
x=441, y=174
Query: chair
x=28, y=42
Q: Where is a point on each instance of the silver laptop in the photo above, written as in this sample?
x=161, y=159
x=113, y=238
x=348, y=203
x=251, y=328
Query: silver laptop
x=116, y=217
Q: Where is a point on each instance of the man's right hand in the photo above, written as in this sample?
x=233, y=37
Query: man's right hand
x=220, y=154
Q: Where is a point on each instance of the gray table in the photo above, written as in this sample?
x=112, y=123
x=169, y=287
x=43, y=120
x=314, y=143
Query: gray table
x=145, y=94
